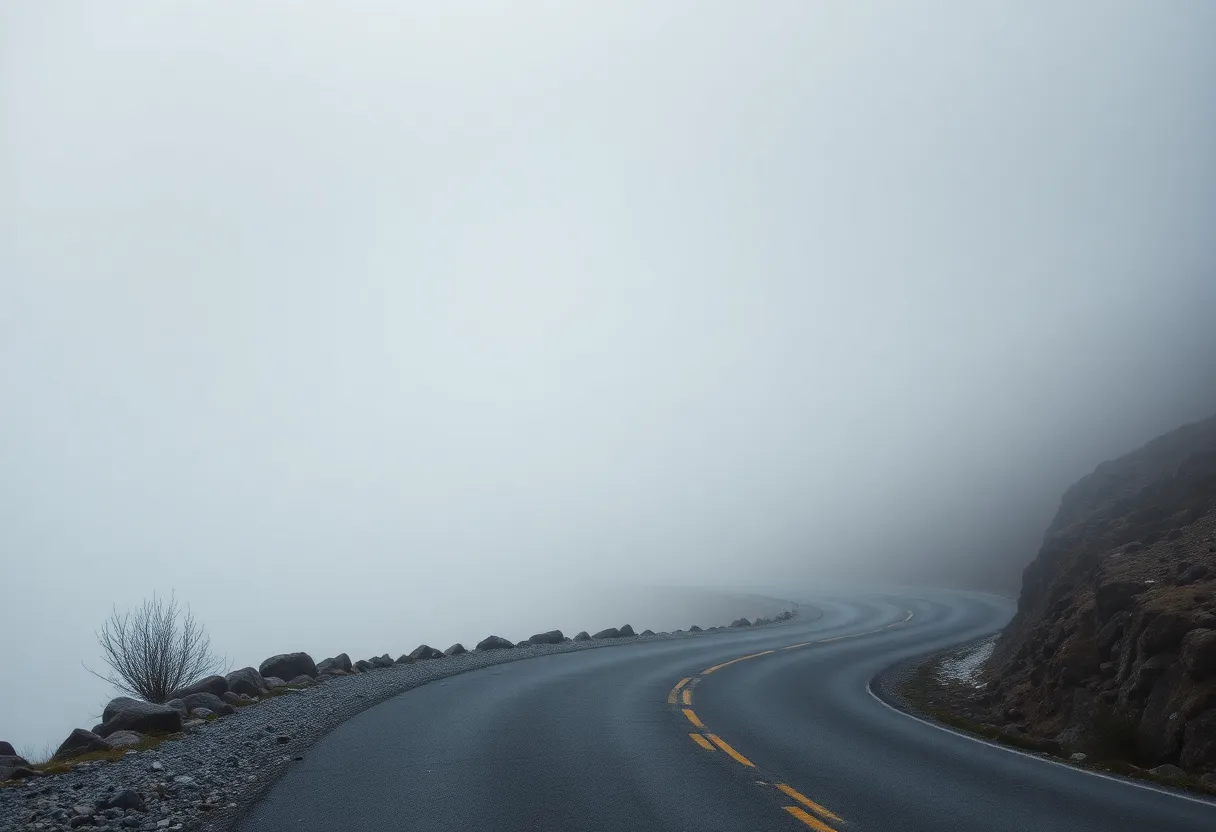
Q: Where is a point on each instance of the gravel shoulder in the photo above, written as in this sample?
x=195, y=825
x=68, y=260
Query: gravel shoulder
x=206, y=777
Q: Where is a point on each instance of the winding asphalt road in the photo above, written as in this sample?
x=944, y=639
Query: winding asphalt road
x=774, y=729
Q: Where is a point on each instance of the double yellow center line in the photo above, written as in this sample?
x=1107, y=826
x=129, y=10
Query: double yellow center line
x=681, y=694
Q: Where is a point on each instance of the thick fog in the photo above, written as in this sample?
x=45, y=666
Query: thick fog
x=363, y=325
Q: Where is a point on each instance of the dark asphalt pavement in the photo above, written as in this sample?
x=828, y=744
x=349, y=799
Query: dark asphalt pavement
x=589, y=741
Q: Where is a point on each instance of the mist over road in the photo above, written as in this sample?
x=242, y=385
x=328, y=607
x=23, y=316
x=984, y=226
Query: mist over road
x=771, y=729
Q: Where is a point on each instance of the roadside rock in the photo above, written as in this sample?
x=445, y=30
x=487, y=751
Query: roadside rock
x=124, y=739
x=13, y=761
x=627, y=631
x=17, y=773
x=7, y=750
x=127, y=799
x=611, y=632
x=551, y=637
x=694, y=629
x=494, y=643
x=381, y=661
x=338, y=662
x=229, y=697
x=180, y=706
x=363, y=665
x=247, y=681
x=215, y=685
x=582, y=635
x=455, y=650
x=201, y=713
x=1167, y=770
x=740, y=622
x=79, y=742
x=125, y=714
x=424, y=651
x=209, y=701
x=301, y=681
x=289, y=666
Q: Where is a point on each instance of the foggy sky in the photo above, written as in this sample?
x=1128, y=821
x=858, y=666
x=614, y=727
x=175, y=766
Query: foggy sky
x=361, y=325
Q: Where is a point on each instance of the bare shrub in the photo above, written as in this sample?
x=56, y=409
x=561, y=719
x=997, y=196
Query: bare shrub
x=155, y=650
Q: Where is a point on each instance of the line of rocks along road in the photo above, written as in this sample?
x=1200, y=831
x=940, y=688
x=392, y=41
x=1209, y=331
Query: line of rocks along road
x=203, y=778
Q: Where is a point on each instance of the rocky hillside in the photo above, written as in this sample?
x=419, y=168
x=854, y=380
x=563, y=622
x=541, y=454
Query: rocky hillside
x=1113, y=648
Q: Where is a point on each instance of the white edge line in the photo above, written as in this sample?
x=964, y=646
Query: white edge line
x=1127, y=781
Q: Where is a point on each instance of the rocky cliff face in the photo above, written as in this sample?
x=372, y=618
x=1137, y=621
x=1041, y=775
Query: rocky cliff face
x=1113, y=648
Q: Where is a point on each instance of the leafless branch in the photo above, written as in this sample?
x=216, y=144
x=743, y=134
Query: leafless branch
x=155, y=650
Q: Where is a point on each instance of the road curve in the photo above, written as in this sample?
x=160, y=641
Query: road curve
x=774, y=729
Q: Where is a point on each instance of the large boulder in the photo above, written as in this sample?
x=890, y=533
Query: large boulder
x=125, y=714
x=17, y=772
x=300, y=681
x=209, y=701
x=1144, y=676
x=127, y=799
x=124, y=739
x=382, y=661
x=216, y=685
x=289, y=666
x=611, y=632
x=1199, y=742
x=582, y=635
x=1165, y=633
x=551, y=637
x=7, y=750
x=338, y=662
x=740, y=622
x=79, y=742
x=425, y=651
x=455, y=650
x=13, y=760
x=626, y=631
x=246, y=680
x=363, y=665
x=1199, y=654
x=180, y=706
x=274, y=683
x=1114, y=596
x=494, y=643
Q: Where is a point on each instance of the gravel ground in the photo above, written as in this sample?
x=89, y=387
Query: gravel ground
x=889, y=684
x=206, y=777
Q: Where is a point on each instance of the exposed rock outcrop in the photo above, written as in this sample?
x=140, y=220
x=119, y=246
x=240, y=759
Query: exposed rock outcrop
x=1113, y=648
x=611, y=632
